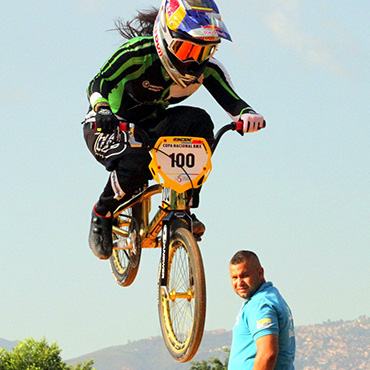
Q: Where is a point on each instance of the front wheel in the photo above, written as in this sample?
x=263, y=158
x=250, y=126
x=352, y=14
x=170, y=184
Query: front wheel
x=182, y=302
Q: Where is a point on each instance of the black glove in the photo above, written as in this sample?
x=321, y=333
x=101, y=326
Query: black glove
x=106, y=121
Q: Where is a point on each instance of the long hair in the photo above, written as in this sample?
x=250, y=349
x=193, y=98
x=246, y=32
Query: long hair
x=141, y=25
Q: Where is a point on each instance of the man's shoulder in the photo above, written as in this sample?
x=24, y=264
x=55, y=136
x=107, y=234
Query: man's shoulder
x=266, y=293
x=269, y=297
x=265, y=289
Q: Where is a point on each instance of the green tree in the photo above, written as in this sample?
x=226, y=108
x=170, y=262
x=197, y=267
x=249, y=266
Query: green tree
x=212, y=364
x=37, y=355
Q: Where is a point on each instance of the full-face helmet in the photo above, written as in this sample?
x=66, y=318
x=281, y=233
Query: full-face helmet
x=186, y=34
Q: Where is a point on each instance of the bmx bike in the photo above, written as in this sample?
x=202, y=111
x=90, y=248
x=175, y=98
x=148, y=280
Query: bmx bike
x=179, y=164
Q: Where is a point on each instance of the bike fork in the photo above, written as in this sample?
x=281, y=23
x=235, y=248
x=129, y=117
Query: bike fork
x=170, y=223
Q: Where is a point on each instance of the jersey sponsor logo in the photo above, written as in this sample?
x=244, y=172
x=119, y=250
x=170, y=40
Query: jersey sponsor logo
x=291, y=324
x=264, y=323
x=147, y=85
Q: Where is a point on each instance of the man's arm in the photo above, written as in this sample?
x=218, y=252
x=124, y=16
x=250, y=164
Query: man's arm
x=267, y=352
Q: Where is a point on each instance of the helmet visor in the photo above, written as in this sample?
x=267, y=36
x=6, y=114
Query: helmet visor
x=187, y=51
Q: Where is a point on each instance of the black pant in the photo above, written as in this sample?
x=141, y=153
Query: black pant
x=129, y=165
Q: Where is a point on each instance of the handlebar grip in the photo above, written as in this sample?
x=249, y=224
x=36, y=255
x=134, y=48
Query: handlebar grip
x=123, y=126
x=239, y=125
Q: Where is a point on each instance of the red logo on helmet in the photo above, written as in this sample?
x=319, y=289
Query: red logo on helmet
x=171, y=7
x=156, y=41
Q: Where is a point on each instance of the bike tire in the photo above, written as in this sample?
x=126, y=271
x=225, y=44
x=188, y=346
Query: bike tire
x=125, y=261
x=182, y=308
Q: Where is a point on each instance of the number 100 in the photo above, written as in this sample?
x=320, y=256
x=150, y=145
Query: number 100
x=181, y=160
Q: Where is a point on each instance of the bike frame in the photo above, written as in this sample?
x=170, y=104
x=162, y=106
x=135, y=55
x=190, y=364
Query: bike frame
x=179, y=165
x=172, y=208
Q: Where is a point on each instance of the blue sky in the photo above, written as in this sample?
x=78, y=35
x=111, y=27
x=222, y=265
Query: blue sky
x=297, y=193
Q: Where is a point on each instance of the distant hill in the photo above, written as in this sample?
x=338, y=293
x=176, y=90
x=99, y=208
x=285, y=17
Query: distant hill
x=341, y=345
x=151, y=354
x=8, y=344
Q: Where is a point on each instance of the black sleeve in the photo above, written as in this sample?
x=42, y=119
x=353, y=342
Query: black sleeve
x=125, y=62
x=218, y=83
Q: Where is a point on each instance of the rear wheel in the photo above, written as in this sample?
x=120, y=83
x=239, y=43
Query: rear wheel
x=126, y=254
x=182, y=302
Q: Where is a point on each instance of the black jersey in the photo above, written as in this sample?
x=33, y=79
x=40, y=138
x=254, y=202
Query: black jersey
x=137, y=87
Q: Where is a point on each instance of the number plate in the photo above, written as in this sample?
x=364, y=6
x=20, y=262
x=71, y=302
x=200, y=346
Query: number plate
x=181, y=163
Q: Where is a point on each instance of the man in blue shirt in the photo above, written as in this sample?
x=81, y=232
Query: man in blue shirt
x=263, y=335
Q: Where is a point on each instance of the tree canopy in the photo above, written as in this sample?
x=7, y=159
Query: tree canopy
x=37, y=355
x=211, y=364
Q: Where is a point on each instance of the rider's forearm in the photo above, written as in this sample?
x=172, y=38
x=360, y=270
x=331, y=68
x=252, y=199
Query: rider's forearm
x=218, y=83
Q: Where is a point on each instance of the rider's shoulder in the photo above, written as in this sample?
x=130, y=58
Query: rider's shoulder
x=138, y=45
x=215, y=65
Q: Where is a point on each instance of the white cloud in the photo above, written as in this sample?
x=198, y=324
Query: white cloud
x=285, y=21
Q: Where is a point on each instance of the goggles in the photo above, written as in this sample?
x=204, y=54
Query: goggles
x=187, y=51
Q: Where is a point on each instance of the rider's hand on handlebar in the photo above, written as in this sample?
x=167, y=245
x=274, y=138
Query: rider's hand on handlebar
x=252, y=121
x=106, y=121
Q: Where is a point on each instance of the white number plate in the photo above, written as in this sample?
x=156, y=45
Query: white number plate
x=181, y=163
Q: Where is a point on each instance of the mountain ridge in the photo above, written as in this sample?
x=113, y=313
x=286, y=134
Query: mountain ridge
x=339, y=345
x=8, y=344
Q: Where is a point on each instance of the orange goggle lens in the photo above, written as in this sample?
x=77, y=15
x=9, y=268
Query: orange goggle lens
x=187, y=51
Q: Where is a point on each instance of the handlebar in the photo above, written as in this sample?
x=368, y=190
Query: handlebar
x=233, y=126
x=133, y=129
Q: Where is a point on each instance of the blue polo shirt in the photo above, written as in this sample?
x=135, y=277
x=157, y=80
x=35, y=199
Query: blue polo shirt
x=266, y=312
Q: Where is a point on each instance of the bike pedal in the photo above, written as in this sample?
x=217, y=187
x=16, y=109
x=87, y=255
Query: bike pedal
x=197, y=237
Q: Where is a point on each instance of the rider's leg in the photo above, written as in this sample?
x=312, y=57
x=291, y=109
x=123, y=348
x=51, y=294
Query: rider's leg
x=128, y=171
x=130, y=174
x=188, y=121
x=100, y=236
x=185, y=120
x=120, y=187
x=193, y=199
